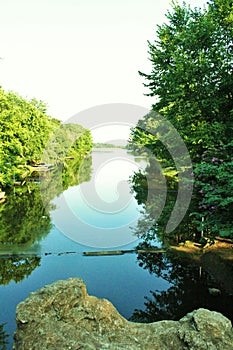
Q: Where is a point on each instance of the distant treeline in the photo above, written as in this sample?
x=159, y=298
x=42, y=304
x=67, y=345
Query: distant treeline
x=106, y=145
x=29, y=136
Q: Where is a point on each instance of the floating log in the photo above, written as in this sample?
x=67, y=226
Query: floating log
x=103, y=253
x=121, y=252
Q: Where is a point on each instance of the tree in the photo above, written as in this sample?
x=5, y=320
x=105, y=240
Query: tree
x=191, y=76
x=29, y=135
x=24, y=130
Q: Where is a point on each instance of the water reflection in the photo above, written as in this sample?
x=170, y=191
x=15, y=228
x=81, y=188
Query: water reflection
x=76, y=171
x=3, y=337
x=17, y=268
x=191, y=278
x=158, y=199
x=25, y=218
x=100, y=213
x=190, y=289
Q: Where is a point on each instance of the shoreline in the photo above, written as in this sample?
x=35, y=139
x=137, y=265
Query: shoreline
x=219, y=247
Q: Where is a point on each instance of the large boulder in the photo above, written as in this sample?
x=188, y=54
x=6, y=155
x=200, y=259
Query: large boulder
x=63, y=316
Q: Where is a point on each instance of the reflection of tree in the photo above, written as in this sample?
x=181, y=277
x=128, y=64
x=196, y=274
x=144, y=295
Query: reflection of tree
x=24, y=219
x=17, y=268
x=24, y=216
x=158, y=194
x=3, y=338
x=76, y=171
x=188, y=290
x=72, y=173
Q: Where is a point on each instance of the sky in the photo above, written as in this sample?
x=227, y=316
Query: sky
x=76, y=54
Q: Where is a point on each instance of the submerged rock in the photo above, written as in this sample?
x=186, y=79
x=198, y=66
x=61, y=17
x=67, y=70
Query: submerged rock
x=63, y=316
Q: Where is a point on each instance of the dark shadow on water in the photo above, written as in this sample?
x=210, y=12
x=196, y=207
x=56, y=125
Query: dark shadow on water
x=190, y=289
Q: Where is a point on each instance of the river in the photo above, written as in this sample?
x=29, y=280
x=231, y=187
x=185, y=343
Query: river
x=49, y=225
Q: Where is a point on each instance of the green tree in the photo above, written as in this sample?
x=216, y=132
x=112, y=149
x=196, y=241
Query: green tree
x=24, y=130
x=192, y=79
x=29, y=136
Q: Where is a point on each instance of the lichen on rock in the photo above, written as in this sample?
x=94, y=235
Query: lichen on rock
x=63, y=316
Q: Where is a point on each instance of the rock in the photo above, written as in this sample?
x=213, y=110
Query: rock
x=214, y=291
x=63, y=316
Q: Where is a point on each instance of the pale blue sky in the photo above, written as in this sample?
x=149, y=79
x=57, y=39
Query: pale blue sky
x=75, y=54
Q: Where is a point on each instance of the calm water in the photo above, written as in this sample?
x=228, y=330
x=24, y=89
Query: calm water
x=55, y=224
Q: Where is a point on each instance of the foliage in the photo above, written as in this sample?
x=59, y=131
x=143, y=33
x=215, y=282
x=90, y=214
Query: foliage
x=29, y=136
x=24, y=129
x=69, y=149
x=214, y=188
x=67, y=141
x=191, y=77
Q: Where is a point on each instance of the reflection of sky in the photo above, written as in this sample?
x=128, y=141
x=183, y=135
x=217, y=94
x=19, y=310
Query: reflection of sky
x=109, y=175
x=106, y=184
x=100, y=213
x=92, y=216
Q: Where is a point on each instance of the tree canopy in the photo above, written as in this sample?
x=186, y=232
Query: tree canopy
x=24, y=129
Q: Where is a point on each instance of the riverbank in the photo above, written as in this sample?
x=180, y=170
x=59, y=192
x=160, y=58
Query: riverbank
x=223, y=248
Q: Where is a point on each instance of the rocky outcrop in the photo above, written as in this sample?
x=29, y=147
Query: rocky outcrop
x=63, y=316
